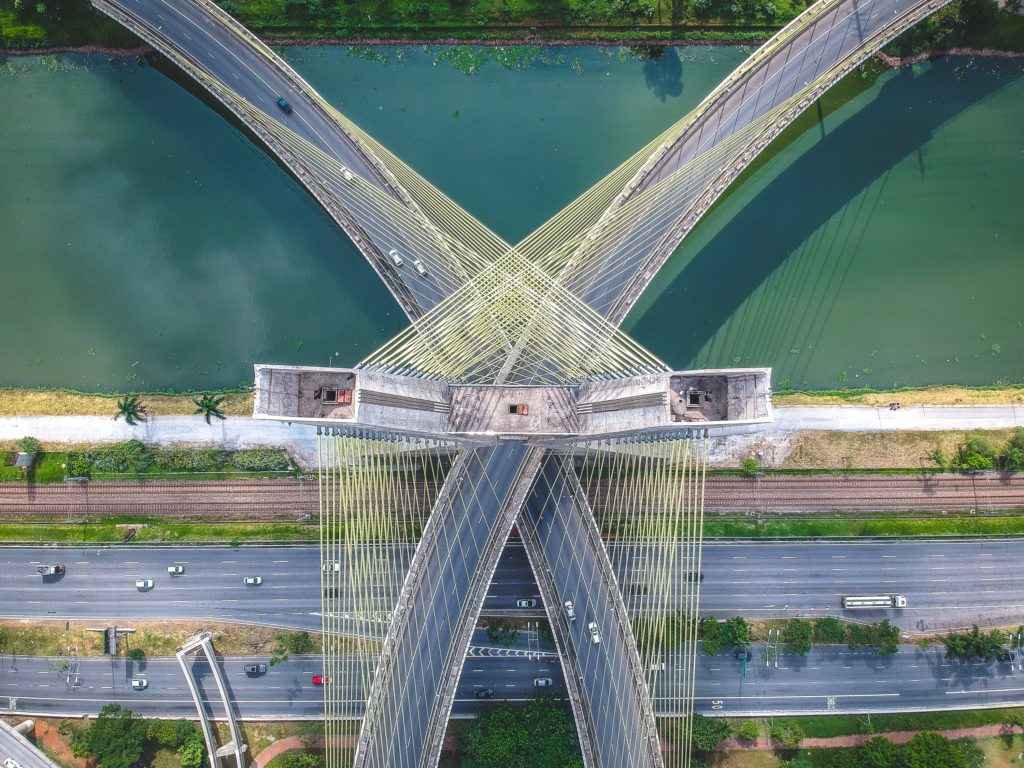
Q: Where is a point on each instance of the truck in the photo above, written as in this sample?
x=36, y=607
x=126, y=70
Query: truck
x=859, y=602
x=50, y=570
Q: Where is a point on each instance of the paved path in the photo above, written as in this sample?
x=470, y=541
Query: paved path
x=300, y=441
x=859, y=739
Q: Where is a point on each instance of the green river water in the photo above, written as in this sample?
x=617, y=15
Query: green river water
x=147, y=244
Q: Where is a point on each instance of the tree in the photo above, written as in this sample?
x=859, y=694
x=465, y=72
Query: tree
x=209, y=406
x=749, y=467
x=708, y=732
x=1012, y=456
x=192, y=753
x=974, y=644
x=712, y=635
x=829, y=630
x=136, y=654
x=789, y=735
x=115, y=740
x=537, y=735
x=502, y=632
x=797, y=636
x=299, y=760
x=933, y=750
x=132, y=409
x=879, y=752
x=749, y=731
x=882, y=639
x=738, y=632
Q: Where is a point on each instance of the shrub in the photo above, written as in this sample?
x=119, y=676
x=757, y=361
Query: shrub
x=29, y=445
x=131, y=456
x=260, y=460
x=829, y=630
x=707, y=732
x=79, y=464
x=136, y=654
x=189, y=459
x=749, y=731
x=974, y=453
x=789, y=735
x=879, y=752
x=749, y=467
x=737, y=632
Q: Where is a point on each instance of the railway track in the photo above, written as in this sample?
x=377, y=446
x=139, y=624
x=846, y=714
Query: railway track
x=290, y=497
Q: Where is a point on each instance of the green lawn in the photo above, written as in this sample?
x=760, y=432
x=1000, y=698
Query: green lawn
x=826, y=726
x=156, y=530
x=953, y=526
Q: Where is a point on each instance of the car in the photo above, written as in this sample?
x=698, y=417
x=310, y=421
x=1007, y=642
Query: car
x=175, y=570
x=657, y=666
x=349, y=176
x=483, y=693
x=570, y=610
x=143, y=584
x=139, y=683
x=595, y=636
x=331, y=566
x=320, y=680
x=740, y=653
x=526, y=602
x=694, y=576
x=255, y=669
x=1005, y=656
x=419, y=267
x=253, y=581
x=10, y=762
x=284, y=105
x=542, y=682
x=396, y=258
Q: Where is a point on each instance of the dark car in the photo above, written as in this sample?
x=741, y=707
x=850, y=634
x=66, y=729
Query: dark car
x=1005, y=656
x=740, y=653
x=255, y=669
x=694, y=576
x=284, y=105
x=483, y=693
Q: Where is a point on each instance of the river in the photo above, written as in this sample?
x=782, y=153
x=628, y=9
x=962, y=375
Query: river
x=147, y=244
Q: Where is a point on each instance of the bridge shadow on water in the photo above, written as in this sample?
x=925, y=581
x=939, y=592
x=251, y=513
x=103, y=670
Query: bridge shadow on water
x=781, y=225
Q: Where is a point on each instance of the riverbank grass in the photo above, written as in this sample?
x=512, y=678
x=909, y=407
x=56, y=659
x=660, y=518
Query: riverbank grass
x=64, y=402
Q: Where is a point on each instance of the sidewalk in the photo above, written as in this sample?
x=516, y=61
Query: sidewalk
x=857, y=740
x=300, y=440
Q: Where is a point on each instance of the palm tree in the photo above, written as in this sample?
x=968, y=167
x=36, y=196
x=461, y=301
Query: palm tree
x=132, y=410
x=209, y=405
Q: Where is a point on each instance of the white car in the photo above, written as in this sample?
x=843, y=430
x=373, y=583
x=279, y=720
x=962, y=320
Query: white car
x=144, y=584
x=175, y=570
x=329, y=567
x=542, y=682
x=253, y=581
x=139, y=683
x=595, y=636
x=419, y=267
x=396, y=258
x=570, y=610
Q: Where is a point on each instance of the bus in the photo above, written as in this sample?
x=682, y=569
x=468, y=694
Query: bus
x=854, y=602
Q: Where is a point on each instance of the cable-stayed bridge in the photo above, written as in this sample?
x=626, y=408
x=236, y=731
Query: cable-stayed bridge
x=512, y=381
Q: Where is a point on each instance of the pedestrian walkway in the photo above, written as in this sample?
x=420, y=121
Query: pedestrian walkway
x=859, y=739
x=300, y=440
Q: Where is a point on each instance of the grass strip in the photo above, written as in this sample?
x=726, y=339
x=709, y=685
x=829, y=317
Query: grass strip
x=827, y=726
x=155, y=530
x=807, y=528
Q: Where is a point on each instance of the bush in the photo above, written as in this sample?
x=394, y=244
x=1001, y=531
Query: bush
x=173, y=734
x=974, y=453
x=712, y=635
x=829, y=630
x=79, y=464
x=136, y=654
x=737, y=632
x=974, y=644
x=879, y=752
x=260, y=460
x=749, y=467
x=28, y=445
x=789, y=735
x=749, y=731
x=296, y=643
x=189, y=459
x=797, y=636
x=708, y=732
x=131, y=456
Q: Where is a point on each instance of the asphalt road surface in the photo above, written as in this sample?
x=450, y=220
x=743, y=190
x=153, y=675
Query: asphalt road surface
x=829, y=679
x=948, y=584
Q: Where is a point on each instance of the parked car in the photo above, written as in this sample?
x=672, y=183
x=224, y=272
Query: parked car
x=740, y=653
x=253, y=581
x=526, y=602
x=595, y=636
x=570, y=610
x=255, y=669
x=320, y=680
x=483, y=693
x=542, y=682
x=175, y=570
x=139, y=683
x=143, y=584
x=284, y=105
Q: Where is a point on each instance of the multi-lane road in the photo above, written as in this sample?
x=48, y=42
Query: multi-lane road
x=829, y=679
x=948, y=584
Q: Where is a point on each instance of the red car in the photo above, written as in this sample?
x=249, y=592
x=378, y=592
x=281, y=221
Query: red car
x=320, y=680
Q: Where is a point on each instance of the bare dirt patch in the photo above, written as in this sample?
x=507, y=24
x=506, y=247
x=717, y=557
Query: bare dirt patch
x=875, y=450
x=31, y=402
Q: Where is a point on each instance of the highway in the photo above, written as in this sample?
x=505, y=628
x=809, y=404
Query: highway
x=829, y=679
x=948, y=584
